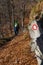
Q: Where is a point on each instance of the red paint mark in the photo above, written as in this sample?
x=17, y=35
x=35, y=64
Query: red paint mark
x=34, y=27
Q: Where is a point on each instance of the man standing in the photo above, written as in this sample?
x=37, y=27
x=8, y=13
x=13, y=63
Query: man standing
x=16, y=26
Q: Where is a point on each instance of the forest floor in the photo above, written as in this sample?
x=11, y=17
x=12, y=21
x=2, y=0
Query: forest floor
x=18, y=51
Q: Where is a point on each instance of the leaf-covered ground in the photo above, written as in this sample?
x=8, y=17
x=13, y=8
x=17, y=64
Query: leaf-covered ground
x=17, y=52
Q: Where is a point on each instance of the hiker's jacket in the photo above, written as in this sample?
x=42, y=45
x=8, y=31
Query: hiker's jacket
x=40, y=42
x=15, y=24
x=40, y=39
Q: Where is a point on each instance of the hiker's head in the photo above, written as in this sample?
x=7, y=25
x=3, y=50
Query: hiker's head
x=38, y=16
x=15, y=17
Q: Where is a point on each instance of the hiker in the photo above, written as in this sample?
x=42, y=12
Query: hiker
x=34, y=34
x=40, y=39
x=16, y=27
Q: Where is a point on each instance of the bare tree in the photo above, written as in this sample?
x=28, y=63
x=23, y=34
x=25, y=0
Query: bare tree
x=23, y=10
x=11, y=13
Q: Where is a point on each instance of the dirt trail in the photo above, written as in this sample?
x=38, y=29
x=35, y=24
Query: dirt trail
x=17, y=52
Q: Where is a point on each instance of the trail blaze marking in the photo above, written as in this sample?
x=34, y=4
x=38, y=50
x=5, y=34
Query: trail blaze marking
x=34, y=27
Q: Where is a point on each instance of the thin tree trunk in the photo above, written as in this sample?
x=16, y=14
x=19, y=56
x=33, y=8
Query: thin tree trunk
x=9, y=10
